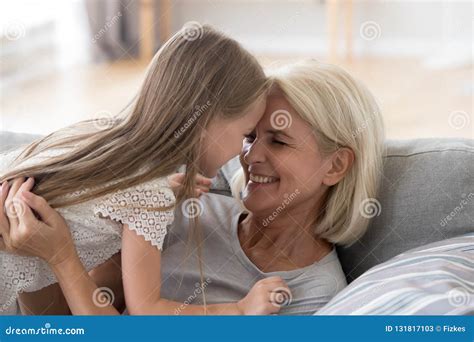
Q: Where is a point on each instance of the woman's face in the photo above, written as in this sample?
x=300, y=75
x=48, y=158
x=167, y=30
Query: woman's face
x=282, y=163
x=223, y=138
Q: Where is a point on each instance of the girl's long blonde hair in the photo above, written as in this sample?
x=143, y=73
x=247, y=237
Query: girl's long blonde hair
x=342, y=113
x=190, y=81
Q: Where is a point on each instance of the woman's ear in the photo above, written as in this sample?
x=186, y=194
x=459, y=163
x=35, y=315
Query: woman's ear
x=341, y=162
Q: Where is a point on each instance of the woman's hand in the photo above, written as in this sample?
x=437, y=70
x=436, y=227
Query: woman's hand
x=22, y=233
x=203, y=184
x=266, y=297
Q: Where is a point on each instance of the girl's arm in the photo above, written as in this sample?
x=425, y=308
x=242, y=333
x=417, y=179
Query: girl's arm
x=141, y=271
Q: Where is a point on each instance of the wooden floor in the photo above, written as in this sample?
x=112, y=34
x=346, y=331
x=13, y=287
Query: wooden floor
x=416, y=102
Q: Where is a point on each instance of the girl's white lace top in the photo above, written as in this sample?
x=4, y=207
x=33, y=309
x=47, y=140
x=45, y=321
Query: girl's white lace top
x=96, y=228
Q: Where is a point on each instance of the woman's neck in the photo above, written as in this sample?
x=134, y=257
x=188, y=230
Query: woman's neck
x=284, y=244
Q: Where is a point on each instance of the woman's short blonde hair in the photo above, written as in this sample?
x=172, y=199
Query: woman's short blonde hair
x=343, y=113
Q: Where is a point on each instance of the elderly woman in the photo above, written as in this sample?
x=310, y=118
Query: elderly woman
x=307, y=168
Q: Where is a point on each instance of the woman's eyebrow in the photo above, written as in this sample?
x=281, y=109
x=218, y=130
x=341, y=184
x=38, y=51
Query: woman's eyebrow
x=279, y=132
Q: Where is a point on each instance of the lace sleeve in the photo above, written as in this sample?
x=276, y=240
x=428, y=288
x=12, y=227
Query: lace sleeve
x=142, y=209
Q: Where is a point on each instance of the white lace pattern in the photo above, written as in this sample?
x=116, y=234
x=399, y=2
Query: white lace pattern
x=141, y=209
x=96, y=228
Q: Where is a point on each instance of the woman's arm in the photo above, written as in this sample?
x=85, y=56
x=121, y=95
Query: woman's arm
x=47, y=301
x=71, y=294
x=51, y=301
x=80, y=290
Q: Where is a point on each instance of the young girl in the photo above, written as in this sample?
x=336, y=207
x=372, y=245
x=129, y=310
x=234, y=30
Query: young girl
x=199, y=99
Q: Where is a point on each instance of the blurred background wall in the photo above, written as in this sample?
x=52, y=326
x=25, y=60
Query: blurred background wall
x=66, y=60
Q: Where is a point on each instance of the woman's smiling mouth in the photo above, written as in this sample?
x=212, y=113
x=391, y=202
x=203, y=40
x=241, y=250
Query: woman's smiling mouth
x=261, y=179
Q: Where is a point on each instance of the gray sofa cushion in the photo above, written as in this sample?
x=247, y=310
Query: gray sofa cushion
x=10, y=140
x=424, y=181
x=426, y=195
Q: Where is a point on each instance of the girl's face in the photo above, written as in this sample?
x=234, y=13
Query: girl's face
x=223, y=138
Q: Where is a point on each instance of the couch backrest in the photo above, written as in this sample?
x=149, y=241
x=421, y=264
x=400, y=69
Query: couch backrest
x=427, y=195
x=10, y=140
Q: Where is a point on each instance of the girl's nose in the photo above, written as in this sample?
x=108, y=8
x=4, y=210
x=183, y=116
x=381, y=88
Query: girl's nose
x=255, y=153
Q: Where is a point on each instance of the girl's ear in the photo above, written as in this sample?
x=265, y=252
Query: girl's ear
x=341, y=162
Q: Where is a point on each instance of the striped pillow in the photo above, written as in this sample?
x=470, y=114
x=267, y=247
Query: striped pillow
x=435, y=279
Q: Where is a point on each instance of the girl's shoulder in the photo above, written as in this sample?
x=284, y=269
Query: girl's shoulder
x=154, y=184
x=159, y=185
x=147, y=208
x=153, y=193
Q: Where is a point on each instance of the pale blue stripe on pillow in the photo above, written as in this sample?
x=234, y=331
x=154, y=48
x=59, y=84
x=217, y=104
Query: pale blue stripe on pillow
x=434, y=279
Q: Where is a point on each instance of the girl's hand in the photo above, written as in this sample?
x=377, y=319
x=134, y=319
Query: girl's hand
x=22, y=233
x=8, y=213
x=266, y=297
x=203, y=184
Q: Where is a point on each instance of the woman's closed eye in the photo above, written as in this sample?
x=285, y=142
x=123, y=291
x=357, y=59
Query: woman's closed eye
x=279, y=142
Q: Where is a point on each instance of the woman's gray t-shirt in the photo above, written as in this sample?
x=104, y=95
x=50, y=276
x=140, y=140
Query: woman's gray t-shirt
x=228, y=273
